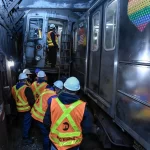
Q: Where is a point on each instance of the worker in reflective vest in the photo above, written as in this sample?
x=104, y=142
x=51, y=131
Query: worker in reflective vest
x=65, y=116
x=24, y=100
x=39, y=85
x=57, y=87
x=39, y=109
x=52, y=41
x=29, y=79
x=36, y=72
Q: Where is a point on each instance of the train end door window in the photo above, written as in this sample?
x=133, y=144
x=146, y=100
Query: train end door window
x=35, y=28
x=75, y=40
x=110, y=25
x=95, y=31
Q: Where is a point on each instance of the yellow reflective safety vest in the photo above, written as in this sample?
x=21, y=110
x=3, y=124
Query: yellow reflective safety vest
x=40, y=106
x=66, y=131
x=49, y=40
x=20, y=98
x=38, y=88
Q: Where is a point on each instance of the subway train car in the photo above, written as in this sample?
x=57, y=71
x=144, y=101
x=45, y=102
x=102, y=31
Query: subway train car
x=104, y=43
x=113, y=67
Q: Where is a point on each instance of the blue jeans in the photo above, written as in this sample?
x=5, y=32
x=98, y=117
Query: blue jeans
x=45, y=133
x=26, y=124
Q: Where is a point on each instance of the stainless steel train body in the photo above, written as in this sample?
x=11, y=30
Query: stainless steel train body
x=113, y=67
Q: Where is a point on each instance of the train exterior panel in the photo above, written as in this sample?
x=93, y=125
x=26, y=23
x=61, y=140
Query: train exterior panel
x=117, y=66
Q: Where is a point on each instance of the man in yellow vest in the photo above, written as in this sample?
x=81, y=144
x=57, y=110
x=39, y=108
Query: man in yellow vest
x=39, y=109
x=52, y=40
x=24, y=100
x=68, y=118
x=39, y=85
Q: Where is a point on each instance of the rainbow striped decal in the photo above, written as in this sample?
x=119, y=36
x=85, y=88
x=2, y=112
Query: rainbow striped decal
x=139, y=13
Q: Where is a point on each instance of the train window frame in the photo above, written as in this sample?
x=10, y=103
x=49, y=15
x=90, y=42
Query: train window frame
x=94, y=50
x=35, y=18
x=105, y=25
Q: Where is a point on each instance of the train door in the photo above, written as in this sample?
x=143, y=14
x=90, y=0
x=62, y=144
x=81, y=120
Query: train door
x=58, y=31
x=95, y=46
x=35, y=41
x=80, y=31
x=102, y=53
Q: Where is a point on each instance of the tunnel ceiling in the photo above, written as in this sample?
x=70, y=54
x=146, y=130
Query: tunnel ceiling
x=13, y=11
x=66, y=4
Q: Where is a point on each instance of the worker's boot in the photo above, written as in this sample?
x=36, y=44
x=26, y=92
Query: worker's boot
x=27, y=141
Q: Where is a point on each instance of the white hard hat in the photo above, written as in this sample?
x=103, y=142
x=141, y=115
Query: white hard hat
x=52, y=26
x=41, y=74
x=72, y=84
x=22, y=76
x=59, y=84
x=27, y=71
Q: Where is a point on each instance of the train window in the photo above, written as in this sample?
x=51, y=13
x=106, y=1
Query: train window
x=95, y=31
x=110, y=26
x=75, y=39
x=35, y=28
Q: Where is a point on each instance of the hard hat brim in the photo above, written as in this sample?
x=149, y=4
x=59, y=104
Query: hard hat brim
x=72, y=89
x=30, y=73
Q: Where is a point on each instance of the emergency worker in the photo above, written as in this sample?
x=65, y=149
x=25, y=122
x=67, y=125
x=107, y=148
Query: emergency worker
x=39, y=85
x=57, y=86
x=28, y=73
x=39, y=109
x=68, y=118
x=36, y=72
x=24, y=100
x=52, y=40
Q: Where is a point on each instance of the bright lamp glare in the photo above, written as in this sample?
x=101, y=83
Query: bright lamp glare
x=10, y=63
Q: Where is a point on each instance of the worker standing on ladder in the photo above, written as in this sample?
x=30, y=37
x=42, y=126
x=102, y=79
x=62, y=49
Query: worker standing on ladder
x=52, y=40
x=39, y=85
x=40, y=107
x=24, y=99
x=68, y=118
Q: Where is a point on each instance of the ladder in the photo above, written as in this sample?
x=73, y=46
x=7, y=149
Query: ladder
x=65, y=55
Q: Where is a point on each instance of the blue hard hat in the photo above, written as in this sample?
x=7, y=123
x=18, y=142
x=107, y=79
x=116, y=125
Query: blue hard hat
x=59, y=84
x=37, y=70
x=72, y=84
